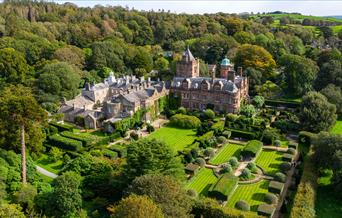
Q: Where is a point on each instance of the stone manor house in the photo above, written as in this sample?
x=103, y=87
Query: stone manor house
x=118, y=98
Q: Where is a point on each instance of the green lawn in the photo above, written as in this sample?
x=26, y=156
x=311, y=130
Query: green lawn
x=202, y=181
x=53, y=167
x=178, y=139
x=252, y=193
x=338, y=127
x=45, y=178
x=226, y=152
x=269, y=161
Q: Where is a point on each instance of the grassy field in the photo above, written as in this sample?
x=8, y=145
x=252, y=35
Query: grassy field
x=338, y=127
x=252, y=193
x=178, y=139
x=202, y=181
x=45, y=162
x=226, y=152
x=269, y=161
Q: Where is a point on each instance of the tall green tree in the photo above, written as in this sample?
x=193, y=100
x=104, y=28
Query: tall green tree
x=20, y=110
x=300, y=73
x=316, y=113
x=334, y=96
x=165, y=191
x=150, y=156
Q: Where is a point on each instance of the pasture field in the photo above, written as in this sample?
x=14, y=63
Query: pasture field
x=202, y=181
x=337, y=129
x=251, y=193
x=226, y=152
x=177, y=138
x=269, y=161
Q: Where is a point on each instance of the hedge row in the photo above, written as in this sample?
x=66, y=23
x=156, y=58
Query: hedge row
x=185, y=121
x=304, y=201
x=252, y=148
x=65, y=143
x=242, y=134
x=224, y=187
x=86, y=141
x=266, y=210
x=62, y=127
x=279, y=103
x=276, y=187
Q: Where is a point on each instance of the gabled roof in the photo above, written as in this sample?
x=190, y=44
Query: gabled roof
x=188, y=55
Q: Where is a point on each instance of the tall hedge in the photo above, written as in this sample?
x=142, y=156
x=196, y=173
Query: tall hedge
x=304, y=201
x=65, y=143
x=86, y=141
x=224, y=187
x=252, y=148
x=185, y=121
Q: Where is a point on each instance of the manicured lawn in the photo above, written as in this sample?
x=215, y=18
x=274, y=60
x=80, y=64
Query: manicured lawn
x=269, y=161
x=226, y=152
x=53, y=167
x=45, y=178
x=202, y=181
x=178, y=139
x=252, y=193
x=338, y=127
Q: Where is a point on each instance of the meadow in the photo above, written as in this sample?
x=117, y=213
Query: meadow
x=177, y=138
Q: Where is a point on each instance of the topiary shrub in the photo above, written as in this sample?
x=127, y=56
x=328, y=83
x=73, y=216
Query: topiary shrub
x=226, y=134
x=242, y=205
x=246, y=173
x=209, y=114
x=181, y=110
x=209, y=152
x=252, y=149
x=271, y=198
x=276, y=187
x=233, y=161
x=185, y=121
x=200, y=162
x=284, y=167
x=221, y=139
x=287, y=157
x=277, y=143
x=291, y=151
x=266, y=210
x=226, y=168
x=252, y=167
x=280, y=177
x=191, y=193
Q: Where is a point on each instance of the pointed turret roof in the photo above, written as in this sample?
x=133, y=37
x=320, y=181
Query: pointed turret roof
x=188, y=55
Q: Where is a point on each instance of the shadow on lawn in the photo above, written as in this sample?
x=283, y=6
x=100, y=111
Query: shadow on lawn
x=258, y=196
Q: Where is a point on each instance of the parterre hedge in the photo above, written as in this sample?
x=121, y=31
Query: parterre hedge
x=266, y=210
x=276, y=187
x=224, y=187
x=252, y=148
x=65, y=143
x=85, y=140
x=242, y=134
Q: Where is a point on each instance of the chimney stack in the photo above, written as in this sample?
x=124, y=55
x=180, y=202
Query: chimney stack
x=239, y=71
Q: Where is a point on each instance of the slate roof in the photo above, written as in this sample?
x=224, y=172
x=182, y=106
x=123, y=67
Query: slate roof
x=195, y=83
x=188, y=55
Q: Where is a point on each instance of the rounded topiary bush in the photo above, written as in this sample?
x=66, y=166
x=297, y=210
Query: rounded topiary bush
x=280, y=177
x=271, y=198
x=233, y=161
x=252, y=167
x=221, y=139
x=242, y=205
x=226, y=168
x=209, y=152
x=226, y=134
x=284, y=167
x=277, y=143
x=291, y=151
x=246, y=173
x=191, y=193
x=181, y=110
x=200, y=161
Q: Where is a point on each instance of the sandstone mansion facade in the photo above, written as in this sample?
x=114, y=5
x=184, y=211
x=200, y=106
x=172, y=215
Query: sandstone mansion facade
x=223, y=94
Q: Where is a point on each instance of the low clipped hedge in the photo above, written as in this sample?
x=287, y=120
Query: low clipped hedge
x=65, y=143
x=285, y=166
x=271, y=198
x=242, y=134
x=120, y=149
x=280, y=103
x=242, y=205
x=85, y=141
x=276, y=187
x=185, y=121
x=252, y=148
x=292, y=145
x=287, y=157
x=110, y=154
x=266, y=210
x=280, y=177
x=224, y=187
x=62, y=127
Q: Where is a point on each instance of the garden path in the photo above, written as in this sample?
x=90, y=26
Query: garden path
x=240, y=168
x=45, y=172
